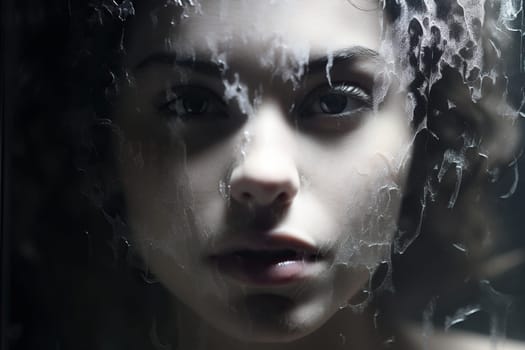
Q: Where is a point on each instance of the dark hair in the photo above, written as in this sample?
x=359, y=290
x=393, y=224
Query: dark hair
x=466, y=137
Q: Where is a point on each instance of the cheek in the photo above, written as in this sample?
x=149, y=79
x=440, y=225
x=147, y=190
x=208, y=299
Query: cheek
x=172, y=196
x=155, y=190
x=355, y=186
x=207, y=181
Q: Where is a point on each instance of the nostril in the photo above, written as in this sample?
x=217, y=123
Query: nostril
x=262, y=194
x=282, y=198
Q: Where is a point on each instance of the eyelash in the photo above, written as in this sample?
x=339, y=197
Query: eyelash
x=349, y=93
x=210, y=105
x=176, y=106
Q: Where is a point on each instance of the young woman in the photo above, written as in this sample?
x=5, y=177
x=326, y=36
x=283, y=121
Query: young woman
x=262, y=180
x=263, y=153
x=265, y=159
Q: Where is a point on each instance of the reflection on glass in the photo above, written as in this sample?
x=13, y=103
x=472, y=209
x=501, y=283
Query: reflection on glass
x=290, y=174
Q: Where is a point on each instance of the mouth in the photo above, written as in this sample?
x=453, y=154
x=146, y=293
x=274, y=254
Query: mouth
x=270, y=264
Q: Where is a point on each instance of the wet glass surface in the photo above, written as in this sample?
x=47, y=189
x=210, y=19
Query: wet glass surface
x=281, y=174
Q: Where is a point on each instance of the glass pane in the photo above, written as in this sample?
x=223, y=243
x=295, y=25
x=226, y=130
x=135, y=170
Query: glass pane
x=232, y=174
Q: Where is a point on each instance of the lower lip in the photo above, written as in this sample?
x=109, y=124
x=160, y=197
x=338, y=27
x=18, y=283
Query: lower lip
x=265, y=273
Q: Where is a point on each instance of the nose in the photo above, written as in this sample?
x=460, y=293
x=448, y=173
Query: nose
x=267, y=173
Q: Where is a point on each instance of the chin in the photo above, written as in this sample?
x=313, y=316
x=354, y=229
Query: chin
x=266, y=318
x=263, y=332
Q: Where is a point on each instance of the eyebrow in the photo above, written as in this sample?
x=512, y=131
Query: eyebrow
x=170, y=59
x=347, y=55
x=207, y=67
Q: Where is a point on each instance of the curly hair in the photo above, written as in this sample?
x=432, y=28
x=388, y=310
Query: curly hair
x=466, y=137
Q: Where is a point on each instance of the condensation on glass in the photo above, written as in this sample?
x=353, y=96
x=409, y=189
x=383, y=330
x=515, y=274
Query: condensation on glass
x=276, y=166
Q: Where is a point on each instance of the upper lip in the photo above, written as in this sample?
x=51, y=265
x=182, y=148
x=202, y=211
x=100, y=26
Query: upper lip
x=268, y=243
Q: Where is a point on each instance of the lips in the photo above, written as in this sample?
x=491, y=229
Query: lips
x=275, y=261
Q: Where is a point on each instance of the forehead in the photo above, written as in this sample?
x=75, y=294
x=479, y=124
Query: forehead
x=250, y=28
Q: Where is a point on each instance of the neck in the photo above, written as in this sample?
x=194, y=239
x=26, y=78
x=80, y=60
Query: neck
x=345, y=330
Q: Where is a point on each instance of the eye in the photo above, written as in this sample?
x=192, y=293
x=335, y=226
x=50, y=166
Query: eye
x=333, y=103
x=191, y=102
x=337, y=101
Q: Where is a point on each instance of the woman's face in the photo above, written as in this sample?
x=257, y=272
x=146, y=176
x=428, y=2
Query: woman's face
x=262, y=176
